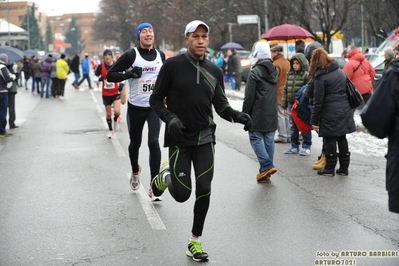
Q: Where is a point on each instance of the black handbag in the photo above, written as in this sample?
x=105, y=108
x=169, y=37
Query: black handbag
x=354, y=96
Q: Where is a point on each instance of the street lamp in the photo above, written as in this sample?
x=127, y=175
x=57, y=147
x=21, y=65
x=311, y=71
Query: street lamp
x=266, y=18
x=230, y=31
x=361, y=22
x=8, y=15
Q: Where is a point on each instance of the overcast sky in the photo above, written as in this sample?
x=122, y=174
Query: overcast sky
x=54, y=7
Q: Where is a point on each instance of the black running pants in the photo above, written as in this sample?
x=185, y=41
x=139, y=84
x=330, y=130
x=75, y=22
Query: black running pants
x=202, y=158
x=137, y=117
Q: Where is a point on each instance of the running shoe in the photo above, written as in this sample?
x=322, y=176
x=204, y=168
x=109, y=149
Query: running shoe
x=195, y=251
x=159, y=181
x=5, y=135
x=134, y=180
x=153, y=197
x=116, y=126
x=111, y=135
x=119, y=118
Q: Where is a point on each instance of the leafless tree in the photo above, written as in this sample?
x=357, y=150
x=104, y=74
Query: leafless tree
x=382, y=17
x=118, y=19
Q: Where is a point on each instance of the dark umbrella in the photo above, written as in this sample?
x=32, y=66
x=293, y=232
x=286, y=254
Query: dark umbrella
x=31, y=52
x=13, y=54
x=286, y=32
x=232, y=45
x=54, y=54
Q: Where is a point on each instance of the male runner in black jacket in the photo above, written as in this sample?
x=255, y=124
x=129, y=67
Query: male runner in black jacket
x=192, y=85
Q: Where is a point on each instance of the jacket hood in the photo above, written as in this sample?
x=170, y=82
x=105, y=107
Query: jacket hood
x=272, y=76
x=48, y=59
x=331, y=67
x=302, y=60
x=356, y=55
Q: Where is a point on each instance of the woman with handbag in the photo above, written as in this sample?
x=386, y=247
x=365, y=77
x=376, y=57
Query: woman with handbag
x=331, y=113
x=360, y=72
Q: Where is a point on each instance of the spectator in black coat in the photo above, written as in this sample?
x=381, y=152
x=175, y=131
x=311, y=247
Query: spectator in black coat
x=74, y=67
x=331, y=114
x=232, y=68
x=381, y=118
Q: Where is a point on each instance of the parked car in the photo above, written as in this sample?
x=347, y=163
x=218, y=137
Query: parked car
x=371, y=56
x=245, y=63
x=378, y=64
x=340, y=59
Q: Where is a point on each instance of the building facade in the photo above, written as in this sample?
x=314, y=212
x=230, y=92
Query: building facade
x=15, y=13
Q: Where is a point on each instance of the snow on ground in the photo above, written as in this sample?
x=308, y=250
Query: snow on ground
x=359, y=141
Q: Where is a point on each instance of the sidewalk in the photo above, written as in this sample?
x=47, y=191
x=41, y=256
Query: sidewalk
x=240, y=96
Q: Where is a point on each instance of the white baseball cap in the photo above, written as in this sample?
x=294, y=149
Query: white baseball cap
x=193, y=25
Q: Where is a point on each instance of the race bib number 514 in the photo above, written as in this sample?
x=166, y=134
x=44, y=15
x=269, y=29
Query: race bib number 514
x=146, y=86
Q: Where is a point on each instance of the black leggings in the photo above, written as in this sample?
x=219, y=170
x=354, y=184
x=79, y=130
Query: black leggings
x=180, y=159
x=330, y=145
x=136, y=118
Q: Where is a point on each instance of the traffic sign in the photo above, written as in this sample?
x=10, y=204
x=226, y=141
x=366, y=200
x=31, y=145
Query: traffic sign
x=247, y=19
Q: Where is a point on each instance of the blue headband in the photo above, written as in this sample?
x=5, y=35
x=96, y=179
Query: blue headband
x=142, y=26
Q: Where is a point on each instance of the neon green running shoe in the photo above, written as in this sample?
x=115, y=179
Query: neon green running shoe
x=158, y=184
x=195, y=251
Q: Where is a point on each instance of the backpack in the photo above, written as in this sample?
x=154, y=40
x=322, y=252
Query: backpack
x=302, y=111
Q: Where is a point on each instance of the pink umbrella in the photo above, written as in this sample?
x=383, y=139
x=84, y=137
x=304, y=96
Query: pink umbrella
x=286, y=32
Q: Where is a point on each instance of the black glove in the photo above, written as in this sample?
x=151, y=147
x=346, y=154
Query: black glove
x=244, y=119
x=175, y=128
x=135, y=72
x=121, y=85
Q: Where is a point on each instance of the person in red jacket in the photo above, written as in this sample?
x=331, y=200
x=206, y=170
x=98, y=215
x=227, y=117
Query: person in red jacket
x=360, y=72
x=110, y=91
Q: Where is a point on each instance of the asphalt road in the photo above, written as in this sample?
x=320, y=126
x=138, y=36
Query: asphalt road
x=65, y=200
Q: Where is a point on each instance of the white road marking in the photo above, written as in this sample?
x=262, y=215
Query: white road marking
x=149, y=210
x=118, y=147
x=99, y=109
x=115, y=142
x=93, y=97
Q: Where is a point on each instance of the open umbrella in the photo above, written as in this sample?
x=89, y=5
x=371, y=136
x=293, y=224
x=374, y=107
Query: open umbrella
x=13, y=54
x=31, y=52
x=54, y=54
x=286, y=32
x=232, y=45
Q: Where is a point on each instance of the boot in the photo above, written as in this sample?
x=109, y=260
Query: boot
x=344, y=159
x=320, y=163
x=329, y=169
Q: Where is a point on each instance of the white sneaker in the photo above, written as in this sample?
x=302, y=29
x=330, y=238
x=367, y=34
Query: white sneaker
x=111, y=135
x=61, y=98
x=153, y=197
x=134, y=180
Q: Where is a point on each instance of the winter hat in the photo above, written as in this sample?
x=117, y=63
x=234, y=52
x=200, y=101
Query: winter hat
x=276, y=48
x=107, y=52
x=310, y=48
x=4, y=57
x=141, y=27
x=193, y=25
x=261, y=51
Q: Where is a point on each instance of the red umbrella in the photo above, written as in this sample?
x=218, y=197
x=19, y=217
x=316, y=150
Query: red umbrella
x=286, y=32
